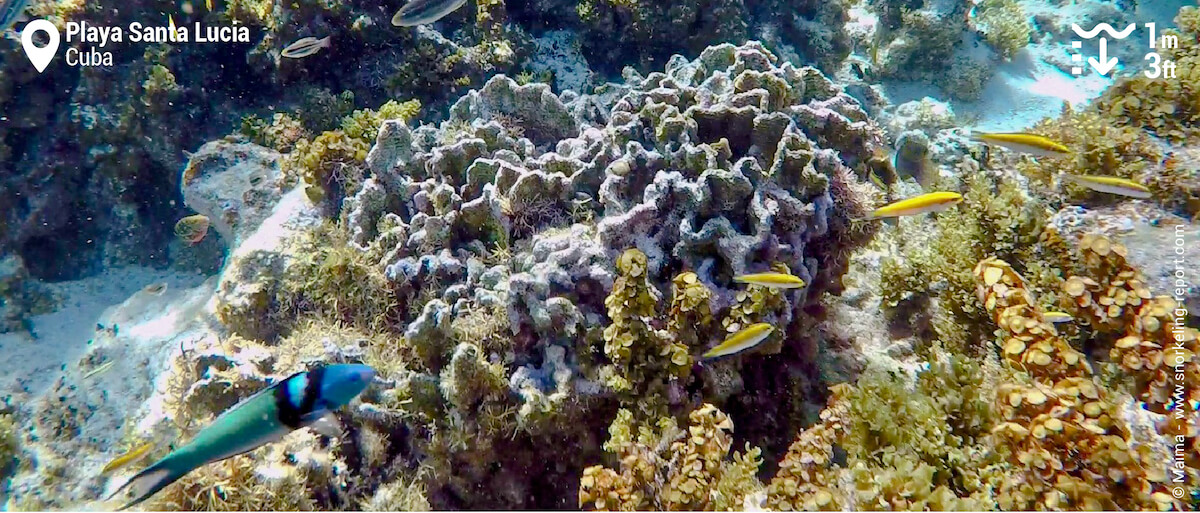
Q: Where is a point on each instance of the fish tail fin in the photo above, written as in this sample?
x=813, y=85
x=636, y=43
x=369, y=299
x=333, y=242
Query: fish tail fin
x=327, y=41
x=150, y=480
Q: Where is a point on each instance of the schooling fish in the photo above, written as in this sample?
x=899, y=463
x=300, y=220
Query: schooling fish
x=1032, y=144
x=424, y=12
x=1111, y=185
x=931, y=202
x=301, y=400
x=771, y=280
x=748, y=337
x=304, y=47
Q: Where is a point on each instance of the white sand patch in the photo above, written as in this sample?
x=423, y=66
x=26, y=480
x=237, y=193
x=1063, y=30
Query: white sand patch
x=62, y=337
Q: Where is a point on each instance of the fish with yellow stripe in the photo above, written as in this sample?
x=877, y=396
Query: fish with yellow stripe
x=772, y=280
x=930, y=202
x=1111, y=185
x=744, y=339
x=1033, y=144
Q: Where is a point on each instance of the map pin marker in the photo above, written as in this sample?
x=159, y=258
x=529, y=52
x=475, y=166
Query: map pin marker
x=40, y=57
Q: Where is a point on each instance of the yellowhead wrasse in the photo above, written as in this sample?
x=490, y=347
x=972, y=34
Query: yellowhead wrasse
x=304, y=47
x=127, y=458
x=424, y=12
x=771, y=280
x=1111, y=185
x=744, y=339
x=1057, y=317
x=1032, y=144
x=930, y=202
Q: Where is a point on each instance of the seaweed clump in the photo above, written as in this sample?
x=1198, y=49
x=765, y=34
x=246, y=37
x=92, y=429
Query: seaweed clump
x=673, y=469
x=996, y=218
x=1004, y=25
x=1064, y=430
x=1147, y=336
x=1168, y=108
x=8, y=445
x=922, y=446
x=331, y=165
x=643, y=358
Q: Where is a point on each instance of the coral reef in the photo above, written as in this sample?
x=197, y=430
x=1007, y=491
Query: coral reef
x=671, y=468
x=489, y=244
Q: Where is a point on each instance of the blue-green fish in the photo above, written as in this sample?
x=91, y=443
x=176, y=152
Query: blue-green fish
x=296, y=402
x=10, y=10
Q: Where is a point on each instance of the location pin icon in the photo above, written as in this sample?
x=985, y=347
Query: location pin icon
x=40, y=57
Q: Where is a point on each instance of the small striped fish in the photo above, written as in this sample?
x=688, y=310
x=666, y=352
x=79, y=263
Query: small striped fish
x=931, y=202
x=748, y=337
x=304, y=47
x=1111, y=185
x=424, y=12
x=1057, y=317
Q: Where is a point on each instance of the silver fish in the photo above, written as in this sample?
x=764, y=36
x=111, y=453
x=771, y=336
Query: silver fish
x=424, y=12
x=10, y=10
x=304, y=47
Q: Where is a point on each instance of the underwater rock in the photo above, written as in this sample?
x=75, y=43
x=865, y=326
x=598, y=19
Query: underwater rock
x=246, y=292
x=21, y=296
x=236, y=185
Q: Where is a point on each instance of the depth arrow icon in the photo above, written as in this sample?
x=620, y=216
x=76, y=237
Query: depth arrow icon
x=1105, y=63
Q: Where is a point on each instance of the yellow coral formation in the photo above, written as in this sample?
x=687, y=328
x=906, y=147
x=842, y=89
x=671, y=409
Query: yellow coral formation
x=671, y=469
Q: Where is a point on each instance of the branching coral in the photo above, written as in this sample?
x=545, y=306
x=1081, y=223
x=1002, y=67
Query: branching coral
x=670, y=469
